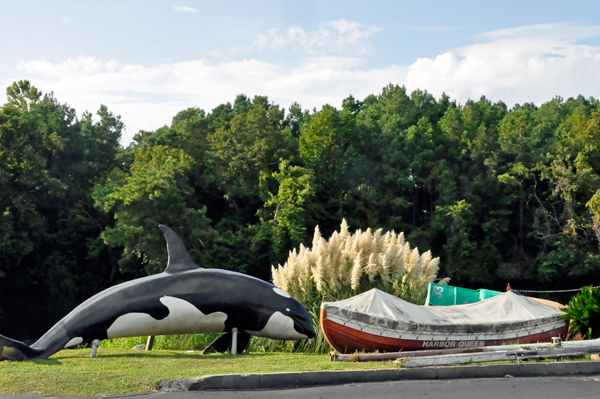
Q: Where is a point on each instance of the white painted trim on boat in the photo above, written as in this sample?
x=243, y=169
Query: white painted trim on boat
x=373, y=329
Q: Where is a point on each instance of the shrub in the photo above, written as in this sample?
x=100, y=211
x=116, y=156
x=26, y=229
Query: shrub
x=348, y=264
x=584, y=313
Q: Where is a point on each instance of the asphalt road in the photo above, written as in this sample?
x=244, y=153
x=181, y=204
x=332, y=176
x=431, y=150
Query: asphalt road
x=521, y=388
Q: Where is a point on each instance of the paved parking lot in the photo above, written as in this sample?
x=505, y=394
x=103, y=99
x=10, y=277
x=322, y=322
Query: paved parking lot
x=521, y=388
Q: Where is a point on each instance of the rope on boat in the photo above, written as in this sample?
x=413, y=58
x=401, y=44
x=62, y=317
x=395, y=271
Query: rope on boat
x=544, y=292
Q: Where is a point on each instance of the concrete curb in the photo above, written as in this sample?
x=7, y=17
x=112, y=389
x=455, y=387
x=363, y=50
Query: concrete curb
x=245, y=382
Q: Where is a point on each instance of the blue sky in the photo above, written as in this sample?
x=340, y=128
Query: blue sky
x=146, y=60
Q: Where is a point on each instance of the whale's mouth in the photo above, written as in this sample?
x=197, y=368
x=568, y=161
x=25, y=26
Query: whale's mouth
x=285, y=327
x=303, y=325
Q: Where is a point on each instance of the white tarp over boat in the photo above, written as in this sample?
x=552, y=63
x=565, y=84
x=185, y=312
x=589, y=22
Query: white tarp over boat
x=502, y=317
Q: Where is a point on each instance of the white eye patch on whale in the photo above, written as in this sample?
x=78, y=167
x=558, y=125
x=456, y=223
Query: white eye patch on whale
x=184, y=299
x=281, y=292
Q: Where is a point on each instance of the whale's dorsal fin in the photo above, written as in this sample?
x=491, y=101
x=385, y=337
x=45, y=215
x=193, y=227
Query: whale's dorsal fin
x=179, y=257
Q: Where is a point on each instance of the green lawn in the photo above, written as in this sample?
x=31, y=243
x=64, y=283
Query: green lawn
x=117, y=371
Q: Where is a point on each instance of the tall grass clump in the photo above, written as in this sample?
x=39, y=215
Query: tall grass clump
x=164, y=342
x=346, y=265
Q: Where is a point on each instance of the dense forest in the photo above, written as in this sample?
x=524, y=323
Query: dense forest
x=500, y=195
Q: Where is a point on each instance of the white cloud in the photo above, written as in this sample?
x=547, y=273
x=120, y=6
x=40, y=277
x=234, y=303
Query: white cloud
x=524, y=64
x=431, y=28
x=80, y=66
x=331, y=37
x=567, y=31
x=185, y=9
x=147, y=97
x=67, y=20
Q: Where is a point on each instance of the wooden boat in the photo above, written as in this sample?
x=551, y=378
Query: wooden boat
x=377, y=321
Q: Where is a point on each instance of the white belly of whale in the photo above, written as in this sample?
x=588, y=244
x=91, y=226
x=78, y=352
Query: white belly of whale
x=74, y=342
x=279, y=326
x=183, y=318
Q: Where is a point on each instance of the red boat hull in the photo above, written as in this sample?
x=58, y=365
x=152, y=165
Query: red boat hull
x=348, y=340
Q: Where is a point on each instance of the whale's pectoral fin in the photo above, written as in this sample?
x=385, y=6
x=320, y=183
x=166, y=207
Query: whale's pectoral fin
x=179, y=257
x=223, y=343
x=11, y=349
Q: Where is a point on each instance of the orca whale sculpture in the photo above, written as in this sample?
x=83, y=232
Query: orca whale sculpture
x=184, y=299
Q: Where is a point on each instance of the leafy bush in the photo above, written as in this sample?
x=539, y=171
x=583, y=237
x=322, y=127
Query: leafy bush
x=584, y=313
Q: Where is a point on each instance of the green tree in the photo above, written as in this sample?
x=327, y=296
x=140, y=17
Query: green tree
x=155, y=192
x=284, y=213
x=49, y=162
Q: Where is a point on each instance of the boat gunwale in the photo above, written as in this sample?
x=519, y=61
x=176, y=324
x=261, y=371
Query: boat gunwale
x=397, y=325
x=361, y=340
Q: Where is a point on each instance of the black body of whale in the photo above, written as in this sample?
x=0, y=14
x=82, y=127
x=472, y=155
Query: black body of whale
x=184, y=299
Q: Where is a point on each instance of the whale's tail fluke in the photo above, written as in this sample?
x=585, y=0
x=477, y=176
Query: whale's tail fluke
x=11, y=349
